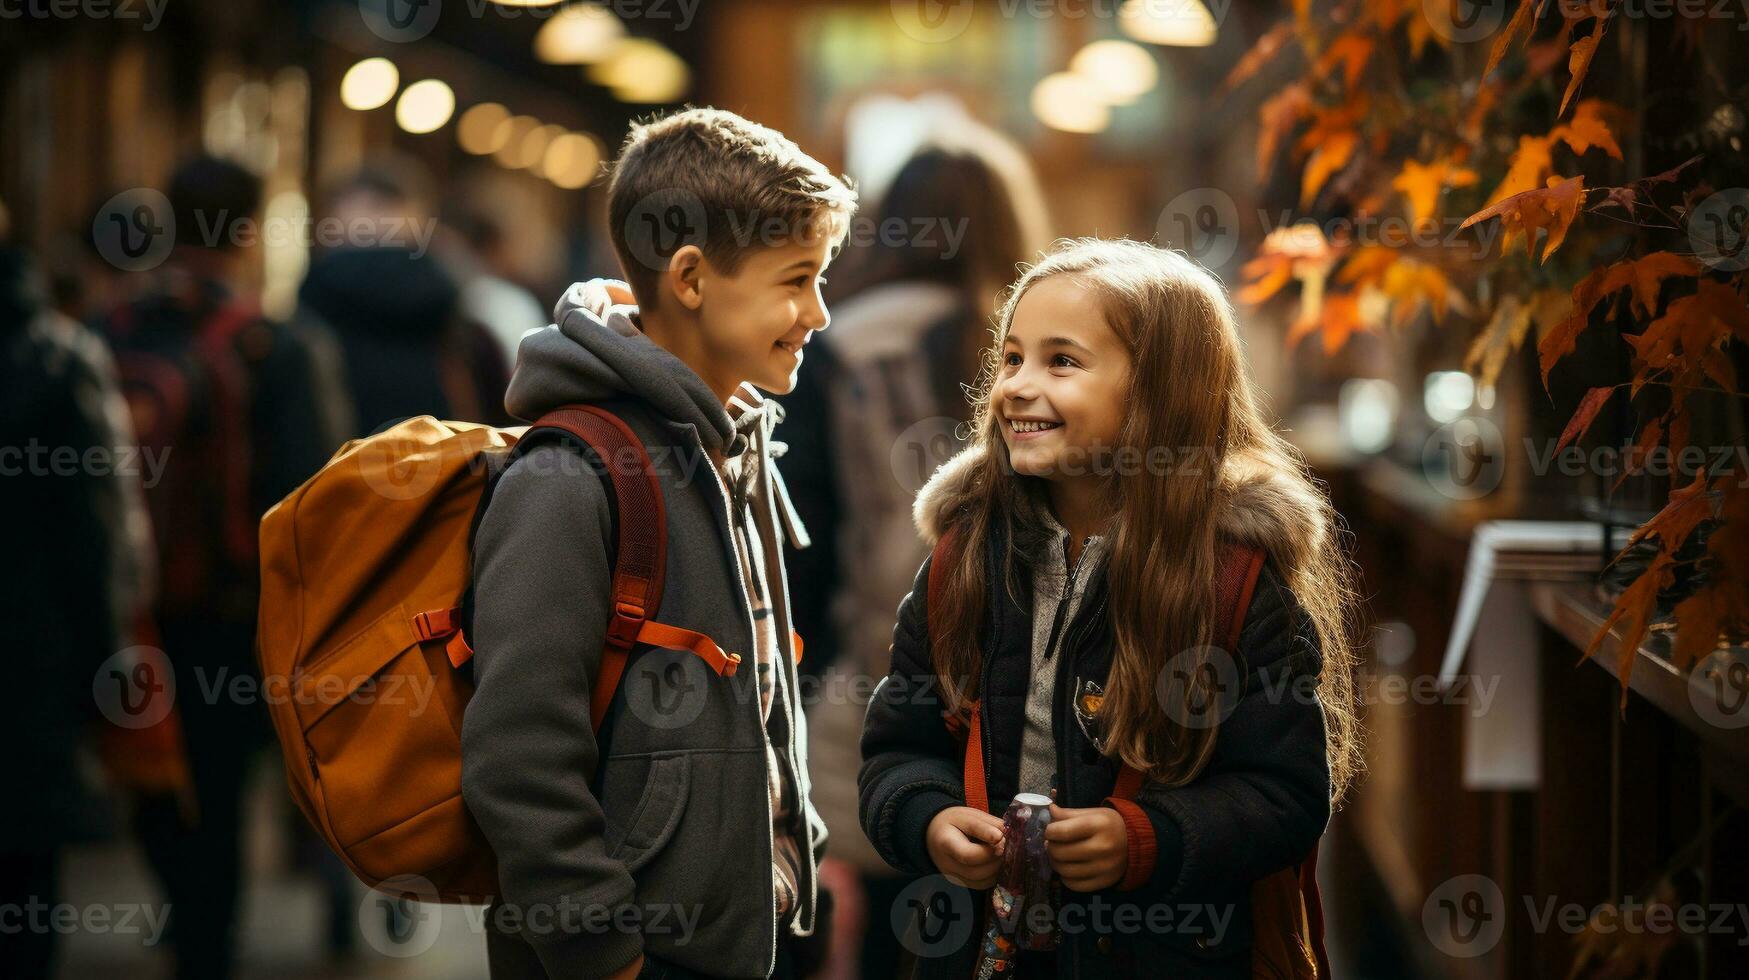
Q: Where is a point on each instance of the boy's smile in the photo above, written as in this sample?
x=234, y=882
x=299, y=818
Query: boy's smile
x=756, y=321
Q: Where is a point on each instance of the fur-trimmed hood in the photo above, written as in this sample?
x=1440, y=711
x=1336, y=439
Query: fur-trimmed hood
x=1256, y=505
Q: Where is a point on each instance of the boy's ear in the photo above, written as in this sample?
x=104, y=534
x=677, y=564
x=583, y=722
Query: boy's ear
x=684, y=278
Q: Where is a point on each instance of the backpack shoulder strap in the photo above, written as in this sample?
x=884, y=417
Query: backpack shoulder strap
x=641, y=555
x=640, y=558
x=970, y=716
x=1235, y=584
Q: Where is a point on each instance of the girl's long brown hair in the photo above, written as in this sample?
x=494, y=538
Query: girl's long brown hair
x=1190, y=393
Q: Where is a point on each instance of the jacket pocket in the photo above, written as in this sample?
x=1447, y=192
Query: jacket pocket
x=657, y=812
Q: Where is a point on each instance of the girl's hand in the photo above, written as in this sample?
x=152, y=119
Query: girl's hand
x=1088, y=847
x=966, y=845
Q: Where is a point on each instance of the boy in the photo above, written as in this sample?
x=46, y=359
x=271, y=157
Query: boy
x=684, y=837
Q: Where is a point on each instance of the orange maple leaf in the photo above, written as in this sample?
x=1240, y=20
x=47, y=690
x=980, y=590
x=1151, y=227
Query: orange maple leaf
x=1589, y=129
x=1504, y=334
x=1326, y=160
x=1720, y=608
x=1686, y=342
x=1529, y=168
x=1645, y=274
x=1517, y=29
x=1584, y=415
x=1551, y=209
x=1266, y=48
x=1277, y=117
x=1339, y=318
x=1579, y=62
x=1633, y=610
x=1682, y=513
x=1352, y=52
x=1421, y=185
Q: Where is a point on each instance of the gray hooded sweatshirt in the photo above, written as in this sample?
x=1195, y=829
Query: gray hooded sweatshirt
x=656, y=837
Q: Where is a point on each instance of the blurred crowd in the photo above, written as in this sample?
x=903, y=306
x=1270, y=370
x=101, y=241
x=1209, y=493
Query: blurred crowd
x=155, y=416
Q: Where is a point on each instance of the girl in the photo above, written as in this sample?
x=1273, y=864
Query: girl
x=1119, y=467
x=909, y=331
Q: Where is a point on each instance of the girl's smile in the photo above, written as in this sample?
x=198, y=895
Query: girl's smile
x=1060, y=388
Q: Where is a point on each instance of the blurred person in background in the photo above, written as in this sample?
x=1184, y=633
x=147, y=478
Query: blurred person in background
x=406, y=344
x=240, y=415
x=74, y=569
x=907, y=335
x=478, y=257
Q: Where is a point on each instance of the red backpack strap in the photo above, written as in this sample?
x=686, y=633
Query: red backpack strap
x=639, y=563
x=1240, y=566
x=969, y=719
x=641, y=557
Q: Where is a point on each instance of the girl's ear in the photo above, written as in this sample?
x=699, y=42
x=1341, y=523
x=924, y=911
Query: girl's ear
x=684, y=277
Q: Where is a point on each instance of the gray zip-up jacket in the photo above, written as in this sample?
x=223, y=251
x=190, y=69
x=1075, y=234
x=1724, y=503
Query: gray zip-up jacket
x=657, y=837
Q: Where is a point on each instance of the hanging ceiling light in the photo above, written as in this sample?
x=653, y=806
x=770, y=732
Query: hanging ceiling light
x=572, y=160
x=532, y=153
x=480, y=130
x=579, y=35
x=424, y=106
x=370, y=84
x=1181, y=23
x=642, y=70
x=509, y=138
x=1122, y=70
x=1071, y=103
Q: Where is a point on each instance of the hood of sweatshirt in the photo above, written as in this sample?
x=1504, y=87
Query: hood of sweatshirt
x=584, y=357
x=1254, y=504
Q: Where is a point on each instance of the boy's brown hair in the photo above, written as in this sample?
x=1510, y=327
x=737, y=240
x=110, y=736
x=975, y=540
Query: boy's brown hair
x=711, y=178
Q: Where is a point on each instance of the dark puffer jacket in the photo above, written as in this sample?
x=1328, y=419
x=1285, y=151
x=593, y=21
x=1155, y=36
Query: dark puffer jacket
x=1259, y=806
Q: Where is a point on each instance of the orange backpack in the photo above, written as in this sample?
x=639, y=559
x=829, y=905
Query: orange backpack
x=364, y=574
